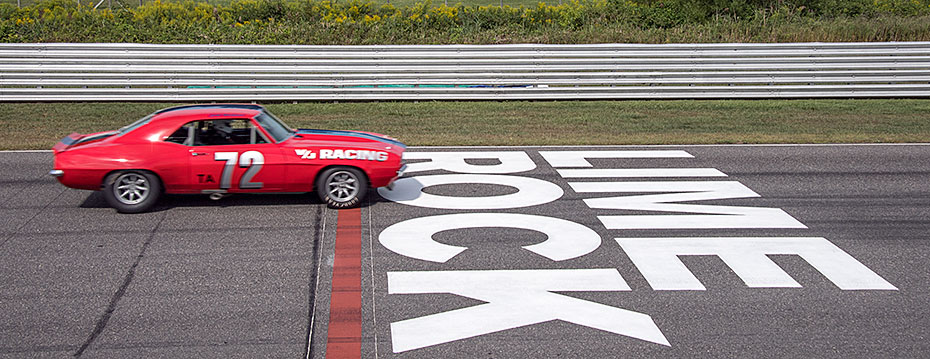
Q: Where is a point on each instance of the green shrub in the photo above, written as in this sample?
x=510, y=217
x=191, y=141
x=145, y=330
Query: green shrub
x=667, y=14
x=366, y=22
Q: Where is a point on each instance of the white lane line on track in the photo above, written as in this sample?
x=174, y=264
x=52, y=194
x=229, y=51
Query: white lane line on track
x=371, y=263
x=700, y=145
x=632, y=146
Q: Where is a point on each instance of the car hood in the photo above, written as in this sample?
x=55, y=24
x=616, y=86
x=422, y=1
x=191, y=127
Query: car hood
x=354, y=136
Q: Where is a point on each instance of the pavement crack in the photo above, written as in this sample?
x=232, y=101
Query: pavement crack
x=34, y=215
x=314, y=279
x=127, y=279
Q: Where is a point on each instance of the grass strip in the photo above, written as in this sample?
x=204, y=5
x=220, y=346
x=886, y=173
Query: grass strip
x=40, y=125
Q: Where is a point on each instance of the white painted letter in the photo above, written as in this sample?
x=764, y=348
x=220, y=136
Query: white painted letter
x=639, y=172
x=511, y=162
x=579, y=158
x=715, y=217
x=414, y=237
x=515, y=298
x=657, y=259
x=531, y=192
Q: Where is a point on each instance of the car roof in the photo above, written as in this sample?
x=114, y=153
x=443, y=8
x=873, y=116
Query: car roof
x=217, y=106
x=186, y=113
x=211, y=110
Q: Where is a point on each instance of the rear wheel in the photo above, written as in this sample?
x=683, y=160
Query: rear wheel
x=132, y=191
x=342, y=187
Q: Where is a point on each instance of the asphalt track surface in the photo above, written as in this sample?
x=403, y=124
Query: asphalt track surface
x=252, y=275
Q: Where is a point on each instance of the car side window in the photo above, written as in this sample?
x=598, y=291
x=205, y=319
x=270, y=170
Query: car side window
x=217, y=132
x=228, y=132
x=183, y=135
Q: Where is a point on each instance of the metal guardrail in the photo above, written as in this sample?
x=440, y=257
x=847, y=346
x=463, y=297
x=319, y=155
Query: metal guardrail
x=144, y=72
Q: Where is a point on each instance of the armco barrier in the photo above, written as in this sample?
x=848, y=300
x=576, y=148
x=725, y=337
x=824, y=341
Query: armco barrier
x=144, y=72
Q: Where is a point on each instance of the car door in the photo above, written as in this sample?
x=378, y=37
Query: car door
x=231, y=155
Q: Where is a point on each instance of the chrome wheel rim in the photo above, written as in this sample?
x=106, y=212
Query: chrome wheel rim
x=342, y=186
x=131, y=188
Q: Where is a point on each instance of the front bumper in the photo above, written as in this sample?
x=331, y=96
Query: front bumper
x=400, y=172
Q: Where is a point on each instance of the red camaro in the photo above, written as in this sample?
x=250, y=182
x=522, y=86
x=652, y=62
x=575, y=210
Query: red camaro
x=225, y=148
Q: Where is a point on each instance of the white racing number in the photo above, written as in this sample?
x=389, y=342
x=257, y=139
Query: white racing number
x=253, y=160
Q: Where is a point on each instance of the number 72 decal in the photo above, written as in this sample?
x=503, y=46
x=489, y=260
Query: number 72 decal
x=251, y=159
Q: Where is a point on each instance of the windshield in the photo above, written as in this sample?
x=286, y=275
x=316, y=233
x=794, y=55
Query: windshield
x=273, y=125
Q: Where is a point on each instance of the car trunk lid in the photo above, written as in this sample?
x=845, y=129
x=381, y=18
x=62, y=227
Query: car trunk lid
x=77, y=139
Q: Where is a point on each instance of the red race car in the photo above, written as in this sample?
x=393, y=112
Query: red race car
x=219, y=149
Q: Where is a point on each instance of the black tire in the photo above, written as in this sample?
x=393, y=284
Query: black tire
x=342, y=187
x=132, y=191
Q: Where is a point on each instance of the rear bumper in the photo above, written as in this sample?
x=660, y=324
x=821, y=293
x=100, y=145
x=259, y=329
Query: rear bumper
x=79, y=178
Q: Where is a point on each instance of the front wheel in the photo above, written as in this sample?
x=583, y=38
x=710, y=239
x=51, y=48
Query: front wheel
x=132, y=191
x=342, y=187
